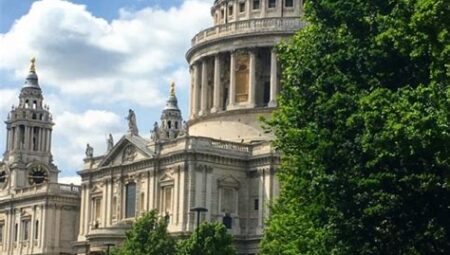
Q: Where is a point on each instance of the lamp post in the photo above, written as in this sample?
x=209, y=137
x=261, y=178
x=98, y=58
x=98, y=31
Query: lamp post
x=107, y=247
x=198, y=210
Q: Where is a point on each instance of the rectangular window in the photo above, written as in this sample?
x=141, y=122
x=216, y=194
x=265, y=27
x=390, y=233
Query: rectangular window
x=242, y=7
x=167, y=193
x=228, y=201
x=222, y=14
x=26, y=229
x=272, y=3
x=130, y=200
x=230, y=10
x=256, y=205
x=289, y=3
x=114, y=208
x=255, y=5
x=97, y=208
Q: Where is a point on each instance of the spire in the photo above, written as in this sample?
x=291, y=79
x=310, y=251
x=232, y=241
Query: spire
x=32, y=78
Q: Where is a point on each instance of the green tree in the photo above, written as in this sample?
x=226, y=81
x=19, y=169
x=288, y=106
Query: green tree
x=148, y=237
x=208, y=239
x=363, y=127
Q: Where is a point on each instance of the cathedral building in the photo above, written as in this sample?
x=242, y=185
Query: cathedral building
x=38, y=215
x=220, y=159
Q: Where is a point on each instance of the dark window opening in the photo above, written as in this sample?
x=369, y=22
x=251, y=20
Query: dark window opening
x=169, y=124
x=36, y=230
x=16, y=230
x=176, y=124
x=255, y=4
x=289, y=3
x=130, y=200
x=272, y=3
x=230, y=10
x=266, y=95
x=256, y=205
x=227, y=221
x=242, y=7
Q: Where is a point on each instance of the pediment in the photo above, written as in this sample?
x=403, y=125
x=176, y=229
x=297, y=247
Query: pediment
x=127, y=150
x=228, y=181
x=166, y=180
x=96, y=189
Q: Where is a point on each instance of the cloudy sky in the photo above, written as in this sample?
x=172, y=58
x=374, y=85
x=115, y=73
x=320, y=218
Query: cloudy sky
x=95, y=60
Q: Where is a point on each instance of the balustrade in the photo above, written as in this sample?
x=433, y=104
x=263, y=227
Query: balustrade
x=285, y=24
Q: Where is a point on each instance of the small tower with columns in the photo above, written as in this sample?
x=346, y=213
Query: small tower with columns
x=171, y=125
x=29, y=131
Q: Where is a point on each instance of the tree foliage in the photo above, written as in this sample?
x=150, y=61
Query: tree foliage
x=208, y=239
x=148, y=236
x=363, y=126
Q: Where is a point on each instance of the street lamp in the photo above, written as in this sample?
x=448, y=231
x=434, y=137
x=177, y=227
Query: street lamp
x=107, y=247
x=198, y=210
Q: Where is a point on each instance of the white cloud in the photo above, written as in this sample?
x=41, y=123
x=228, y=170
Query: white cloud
x=125, y=60
x=73, y=131
x=83, y=60
x=8, y=98
x=70, y=180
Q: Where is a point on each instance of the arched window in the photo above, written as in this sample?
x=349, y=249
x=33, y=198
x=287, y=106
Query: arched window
x=130, y=200
x=34, y=104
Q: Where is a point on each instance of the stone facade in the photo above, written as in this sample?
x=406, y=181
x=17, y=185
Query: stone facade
x=221, y=159
x=37, y=214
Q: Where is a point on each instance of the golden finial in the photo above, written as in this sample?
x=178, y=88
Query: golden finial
x=172, y=88
x=33, y=65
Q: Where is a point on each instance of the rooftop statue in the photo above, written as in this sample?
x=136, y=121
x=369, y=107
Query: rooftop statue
x=132, y=125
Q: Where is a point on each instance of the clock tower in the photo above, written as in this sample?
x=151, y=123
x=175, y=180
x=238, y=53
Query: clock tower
x=28, y=158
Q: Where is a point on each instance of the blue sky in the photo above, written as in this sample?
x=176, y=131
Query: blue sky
x=95, y=60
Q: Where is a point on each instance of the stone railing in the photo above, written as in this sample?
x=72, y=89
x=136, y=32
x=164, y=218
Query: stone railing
x=218, y=145
x=48, y=188
x=287, y=24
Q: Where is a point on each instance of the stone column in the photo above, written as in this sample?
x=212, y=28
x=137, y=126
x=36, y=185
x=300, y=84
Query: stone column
x=261, y=198
x=26, y=143
x=252, y=79
x=204, y=89
x=273, y=79
x=195, y=99
x=232, y=89
x=8, y=139
x=82, y=212
x=217, y=86
x=87, y=206
x=191, y=92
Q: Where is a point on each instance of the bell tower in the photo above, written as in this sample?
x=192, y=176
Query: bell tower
x=28, y=157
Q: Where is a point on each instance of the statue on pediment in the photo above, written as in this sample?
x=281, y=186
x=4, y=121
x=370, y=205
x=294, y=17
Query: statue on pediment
x=132, y=123
x=89, y=151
